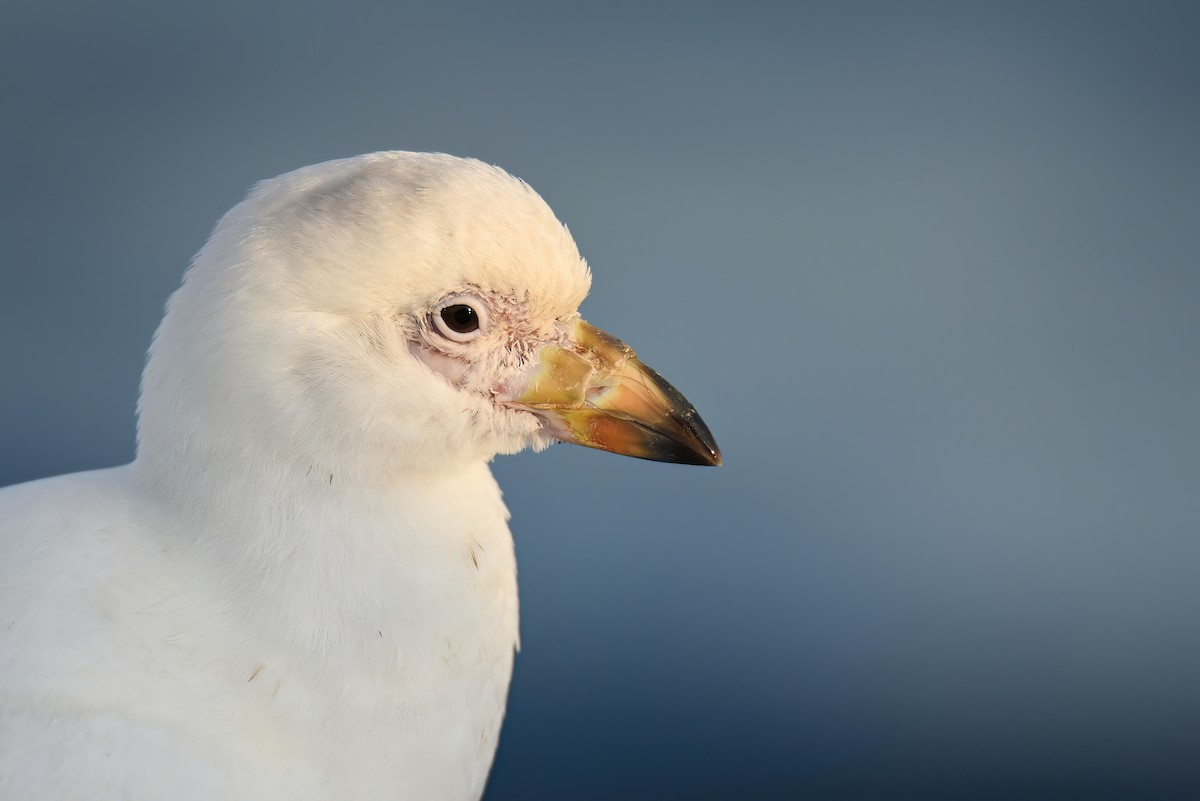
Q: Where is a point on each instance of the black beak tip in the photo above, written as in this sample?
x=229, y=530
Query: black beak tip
x=705, y=447
x=708, y=456
x=697, y=447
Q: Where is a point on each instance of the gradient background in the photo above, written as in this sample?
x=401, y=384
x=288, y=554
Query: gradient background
x=931, y=273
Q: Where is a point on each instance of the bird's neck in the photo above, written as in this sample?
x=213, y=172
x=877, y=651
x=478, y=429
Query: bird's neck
x=323, y=557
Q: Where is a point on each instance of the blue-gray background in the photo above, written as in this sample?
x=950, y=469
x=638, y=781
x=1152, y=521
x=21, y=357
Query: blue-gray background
x=930, y=272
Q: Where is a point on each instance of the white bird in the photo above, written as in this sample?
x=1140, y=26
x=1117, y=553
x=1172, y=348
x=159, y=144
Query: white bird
x=304, y=585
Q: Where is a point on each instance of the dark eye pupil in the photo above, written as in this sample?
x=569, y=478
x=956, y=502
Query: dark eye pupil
x=460, y=318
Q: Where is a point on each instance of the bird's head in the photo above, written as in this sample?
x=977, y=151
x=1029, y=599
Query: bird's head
x=398, y=310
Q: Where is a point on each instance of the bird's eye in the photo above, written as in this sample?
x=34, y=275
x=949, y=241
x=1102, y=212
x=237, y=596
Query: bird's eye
x=461, y=318
x=459, y=321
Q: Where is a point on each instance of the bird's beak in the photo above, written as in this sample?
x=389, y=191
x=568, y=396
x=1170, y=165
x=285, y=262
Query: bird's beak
x=592, y=390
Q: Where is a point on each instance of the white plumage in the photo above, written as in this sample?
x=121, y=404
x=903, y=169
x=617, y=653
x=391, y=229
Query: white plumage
x=304, y=586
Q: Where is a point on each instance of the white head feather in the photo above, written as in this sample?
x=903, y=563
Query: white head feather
x=303, y=326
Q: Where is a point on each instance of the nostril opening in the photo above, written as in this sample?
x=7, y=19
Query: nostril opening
x=596, y=392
